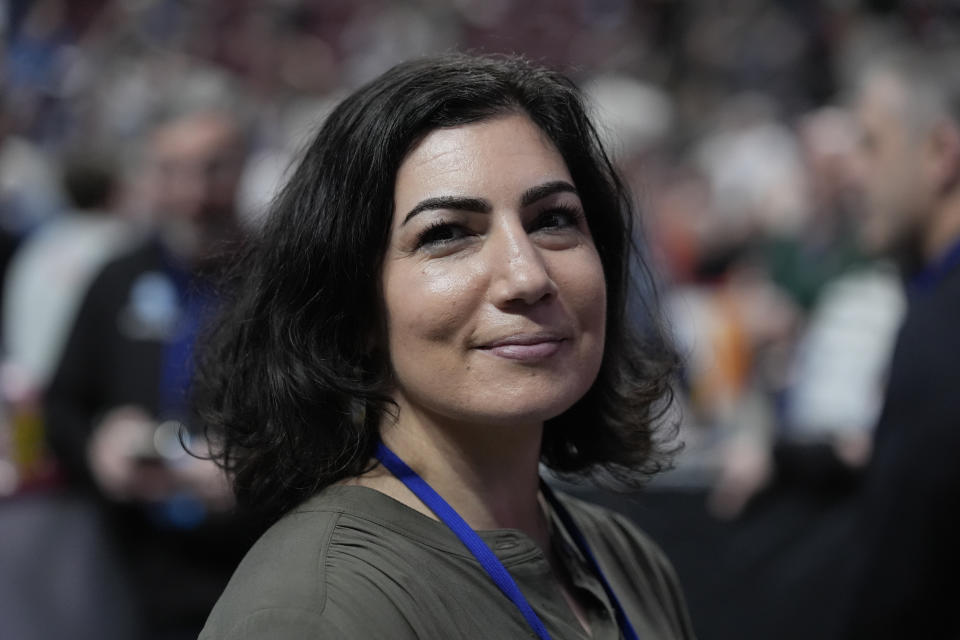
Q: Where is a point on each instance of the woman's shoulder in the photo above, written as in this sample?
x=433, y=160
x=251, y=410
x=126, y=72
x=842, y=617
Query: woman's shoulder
x=296, y=578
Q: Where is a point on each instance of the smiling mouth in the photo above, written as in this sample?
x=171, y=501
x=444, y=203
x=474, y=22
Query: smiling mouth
x=525, y=348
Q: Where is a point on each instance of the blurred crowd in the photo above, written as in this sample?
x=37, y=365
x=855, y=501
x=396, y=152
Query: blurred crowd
x=140, y=138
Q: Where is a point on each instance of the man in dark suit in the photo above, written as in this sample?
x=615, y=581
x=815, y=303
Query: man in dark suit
x=907, y=581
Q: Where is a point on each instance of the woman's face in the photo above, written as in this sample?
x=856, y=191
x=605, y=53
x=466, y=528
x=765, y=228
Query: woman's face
x=494, y=292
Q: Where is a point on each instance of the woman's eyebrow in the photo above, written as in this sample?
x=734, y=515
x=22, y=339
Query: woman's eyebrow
x=478, y=205
x=539, y=192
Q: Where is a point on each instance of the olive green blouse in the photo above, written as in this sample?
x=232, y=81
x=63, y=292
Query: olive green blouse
x=354, y=563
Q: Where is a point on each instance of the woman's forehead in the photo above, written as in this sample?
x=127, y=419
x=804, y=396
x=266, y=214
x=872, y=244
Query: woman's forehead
x=503, y=152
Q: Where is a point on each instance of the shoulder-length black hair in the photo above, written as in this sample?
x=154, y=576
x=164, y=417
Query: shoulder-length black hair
x=287, y=381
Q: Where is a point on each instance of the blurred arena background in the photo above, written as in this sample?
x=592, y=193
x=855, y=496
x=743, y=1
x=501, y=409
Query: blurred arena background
x=728, y=118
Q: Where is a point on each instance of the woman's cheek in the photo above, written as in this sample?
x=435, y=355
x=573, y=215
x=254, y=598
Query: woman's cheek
x=436, y=301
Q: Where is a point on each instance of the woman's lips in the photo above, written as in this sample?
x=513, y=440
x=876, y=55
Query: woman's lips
x=525, y=347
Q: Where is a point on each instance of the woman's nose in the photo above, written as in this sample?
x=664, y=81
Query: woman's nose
x=519, y=273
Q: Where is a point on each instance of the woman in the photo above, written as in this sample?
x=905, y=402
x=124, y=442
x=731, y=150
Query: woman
x=434, y=308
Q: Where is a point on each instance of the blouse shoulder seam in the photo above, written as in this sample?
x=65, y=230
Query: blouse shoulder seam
x=407, y=534
x=322, y=560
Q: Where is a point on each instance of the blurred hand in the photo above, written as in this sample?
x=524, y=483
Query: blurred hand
x=746, y=468
x=854, y=450
x=123, y=460
x=127, y=465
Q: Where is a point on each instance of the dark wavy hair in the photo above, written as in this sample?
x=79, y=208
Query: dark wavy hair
x=286, y=381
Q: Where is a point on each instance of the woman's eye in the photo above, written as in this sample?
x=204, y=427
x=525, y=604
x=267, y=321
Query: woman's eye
x=557, y=218
x=440, y=234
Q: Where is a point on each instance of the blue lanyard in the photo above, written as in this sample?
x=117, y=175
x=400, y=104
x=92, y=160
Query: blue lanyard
x=177, y=365
x=625, y=627
x=937, y=271
x=490, y=563
x=178, y=359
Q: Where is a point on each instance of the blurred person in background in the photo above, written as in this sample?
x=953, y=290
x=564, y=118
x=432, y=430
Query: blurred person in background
x=838, y=371
x=53, y=267
x=732, y=319
x=770, y=303
x=30, y=192
x=906, y=584
x=115, y=404
x=826, y=393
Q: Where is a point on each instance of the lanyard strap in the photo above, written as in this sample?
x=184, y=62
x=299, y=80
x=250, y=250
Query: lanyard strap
x=487, y=559
x=191, y=300
x=178, y=359
x=625, y=627
x=937, y=271
x=490, y=563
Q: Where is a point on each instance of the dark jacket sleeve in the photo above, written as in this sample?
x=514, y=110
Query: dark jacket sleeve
x=74, y=400
x=905, y=580
x=905, y=577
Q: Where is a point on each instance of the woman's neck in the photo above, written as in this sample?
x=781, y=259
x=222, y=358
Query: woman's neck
x=489, y=475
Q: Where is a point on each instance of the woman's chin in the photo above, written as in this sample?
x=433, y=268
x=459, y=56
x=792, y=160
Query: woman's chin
x=510, y=409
